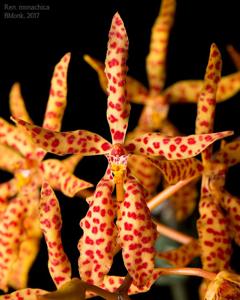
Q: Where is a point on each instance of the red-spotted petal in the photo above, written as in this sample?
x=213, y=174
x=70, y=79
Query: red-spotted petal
x=181, y=256
x=189, y=90
x=207, y=99
x=214, y=237
x=10, y=159
x=17, y=105
x=156, y=59
x=61, y=179
x=184, y=201
x=79, y=141
x=71, y=162
x=229, y=154
x=17, y=139
x=118, y=108
x=154, y=144
x=25, y=294
x=231, y=204
x=19, y=275
x=8, y=189
x=176, y=170
x=98, y=242
x=10, y=234
x=146, y=173
x=57, y=100
x=51, y=222
x=136, y=92
x=137, y=233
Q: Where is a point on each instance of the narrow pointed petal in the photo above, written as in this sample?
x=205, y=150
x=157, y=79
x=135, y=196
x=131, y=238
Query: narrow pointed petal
x=179, y=169
x=25, y=294
x=10, y=234
x=51, y=222
x=156, y=59
x=99, y=67
x=154, y=144
x=17, y=139
x=206, y=104
x=118, y=107
x=235, y=56
x=71, y=162
x=137, y=233
x=214, y=237
x=10, y=159
x=231, y=204
x=184, y=91
x=145, y=172
x=229, y=154
x=184, y=201
x=228, y=87
x=61, y=179
x=181, y=256
x=72, y=142
x=8, y=189
x=187, y=91
x=57, y=100
x=17, y=105
x=136, y=92
x=98, y=242
x=18, y=278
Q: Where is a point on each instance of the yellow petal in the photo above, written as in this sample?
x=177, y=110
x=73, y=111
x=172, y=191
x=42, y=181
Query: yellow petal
x=71, y=162
x=118, y=107
x=10, y=231
x=214, y=238
x=18, y=278
x=57, y=100
x=146, y=173
x=78, y=142
x=98, y=242
x=25, y=294
x=181, y=256
x=10, y=159
x=156, y=59
x=137, y=234
x=17, y=105
x=184, y=201
x=181, y=147
x=136, y=92
x=16, y=138
x=207, y=99
x=61, y=179
x=51, y=223
x=229, y=153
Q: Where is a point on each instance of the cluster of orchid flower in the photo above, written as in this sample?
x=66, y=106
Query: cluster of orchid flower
x=119, y=214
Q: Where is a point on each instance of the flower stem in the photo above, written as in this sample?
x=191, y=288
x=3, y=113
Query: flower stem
x=173, y=234
x=187, y=271
x=168, y=192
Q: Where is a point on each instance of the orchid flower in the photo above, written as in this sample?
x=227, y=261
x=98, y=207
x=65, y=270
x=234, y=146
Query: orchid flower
x=96, y=250
x=156, y=103
x=24, y=160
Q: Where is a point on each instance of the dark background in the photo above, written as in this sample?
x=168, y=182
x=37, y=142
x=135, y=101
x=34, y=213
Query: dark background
x=30, y=49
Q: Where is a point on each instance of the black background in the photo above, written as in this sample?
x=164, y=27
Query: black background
x=30, y=48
